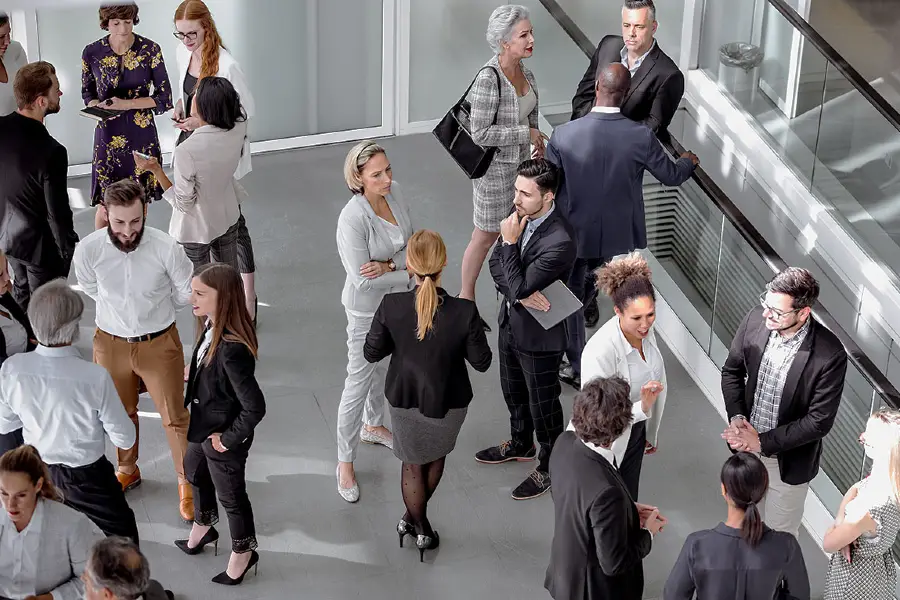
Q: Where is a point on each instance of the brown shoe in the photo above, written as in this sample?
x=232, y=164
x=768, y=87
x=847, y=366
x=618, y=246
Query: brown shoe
x=186, y=502
x=129, y=481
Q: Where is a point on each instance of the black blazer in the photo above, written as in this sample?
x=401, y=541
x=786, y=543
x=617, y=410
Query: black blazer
x=602, y=186
x=598, y=542
x=809, y=401
x=655, y=92
x=35, y=218
x=430, y=374
x=224, y=396
x=9, y=305
x=549, y=255
x=718, y=564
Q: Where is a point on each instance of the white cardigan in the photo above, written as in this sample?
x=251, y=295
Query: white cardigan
x=605, y=355
x=230, y=70
x=14, y=59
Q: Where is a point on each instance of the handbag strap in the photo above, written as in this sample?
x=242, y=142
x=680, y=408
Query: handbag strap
x=471, y=85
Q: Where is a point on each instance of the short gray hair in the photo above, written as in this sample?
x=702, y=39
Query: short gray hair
x=639, y=4
x=501, y=24
x=116, y=564
x=55, y=313
x=356, y=159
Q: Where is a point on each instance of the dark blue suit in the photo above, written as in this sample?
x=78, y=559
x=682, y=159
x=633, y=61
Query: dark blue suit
x=603, y=157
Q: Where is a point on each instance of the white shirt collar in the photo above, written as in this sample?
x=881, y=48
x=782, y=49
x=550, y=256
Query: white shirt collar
x=604, y=452
x=637, y=64
x=59, y=352
x=606, y=109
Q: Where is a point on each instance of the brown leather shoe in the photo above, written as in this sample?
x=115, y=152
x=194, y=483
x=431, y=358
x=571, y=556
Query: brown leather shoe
x=129, y=481
x=186, y=502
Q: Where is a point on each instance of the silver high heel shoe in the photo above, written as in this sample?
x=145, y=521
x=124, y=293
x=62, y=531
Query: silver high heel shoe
x=403, y=529
x=424, y=542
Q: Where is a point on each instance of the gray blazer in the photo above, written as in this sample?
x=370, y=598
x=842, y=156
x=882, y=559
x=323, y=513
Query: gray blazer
x=66, y=540
x=513, y=138
x=362, y=236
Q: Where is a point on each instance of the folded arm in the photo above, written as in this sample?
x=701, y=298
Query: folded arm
x=354, y=252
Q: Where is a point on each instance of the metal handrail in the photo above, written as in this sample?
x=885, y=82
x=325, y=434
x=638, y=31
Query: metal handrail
x=745, y=228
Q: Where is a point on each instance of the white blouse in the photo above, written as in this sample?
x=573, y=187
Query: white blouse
x=14, y=59
x=526, y=105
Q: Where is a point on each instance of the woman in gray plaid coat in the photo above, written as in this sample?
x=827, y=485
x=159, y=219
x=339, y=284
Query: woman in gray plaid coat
x=505, y=116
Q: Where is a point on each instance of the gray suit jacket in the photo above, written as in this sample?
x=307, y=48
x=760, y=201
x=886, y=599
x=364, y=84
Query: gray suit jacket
x=362, y=236
x=66, y=540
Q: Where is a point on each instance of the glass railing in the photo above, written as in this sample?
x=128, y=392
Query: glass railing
x=837, y=132
x=710, y=264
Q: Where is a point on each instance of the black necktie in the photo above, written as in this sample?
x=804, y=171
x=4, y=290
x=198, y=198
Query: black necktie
x=615, y=462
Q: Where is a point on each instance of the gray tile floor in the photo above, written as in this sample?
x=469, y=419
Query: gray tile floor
x=312, y=544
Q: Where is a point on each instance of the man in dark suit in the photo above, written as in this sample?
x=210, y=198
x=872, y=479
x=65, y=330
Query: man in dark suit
x=537, y=248
x=601, y=534
x=782, y=384
x=654, y=93
x=37, y=233
x=603, y=157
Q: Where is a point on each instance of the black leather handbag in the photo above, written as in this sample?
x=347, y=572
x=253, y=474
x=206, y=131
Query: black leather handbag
x=454, y=135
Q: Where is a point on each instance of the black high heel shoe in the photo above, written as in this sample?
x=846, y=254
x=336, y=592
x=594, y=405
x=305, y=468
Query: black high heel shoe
x=210, y=537
x=224, y=579
x=424, y=542
x=405, y=528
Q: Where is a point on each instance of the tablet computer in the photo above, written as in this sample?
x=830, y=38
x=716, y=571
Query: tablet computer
x=562, y=304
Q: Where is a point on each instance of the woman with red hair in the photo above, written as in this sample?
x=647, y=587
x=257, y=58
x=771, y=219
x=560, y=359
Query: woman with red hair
x=203, y=54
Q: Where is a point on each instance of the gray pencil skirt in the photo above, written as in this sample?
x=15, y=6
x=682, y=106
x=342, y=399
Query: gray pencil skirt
x=419, y=439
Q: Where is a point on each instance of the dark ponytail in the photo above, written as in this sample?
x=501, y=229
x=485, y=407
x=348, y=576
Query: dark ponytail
x=746, y=480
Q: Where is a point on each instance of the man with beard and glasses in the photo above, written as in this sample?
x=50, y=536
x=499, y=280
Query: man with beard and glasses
x=139, y=277
x=37, y=233
x=782, y=384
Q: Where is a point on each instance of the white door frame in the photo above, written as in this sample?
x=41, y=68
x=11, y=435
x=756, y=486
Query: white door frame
x=404, y=126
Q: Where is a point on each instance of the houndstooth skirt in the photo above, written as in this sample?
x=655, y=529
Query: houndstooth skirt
x=419, y=440
x=493, y=195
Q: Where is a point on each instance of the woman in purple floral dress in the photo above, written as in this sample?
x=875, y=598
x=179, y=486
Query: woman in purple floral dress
x=126, y=72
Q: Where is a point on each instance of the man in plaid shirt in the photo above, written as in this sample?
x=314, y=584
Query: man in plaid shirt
x=782, y=384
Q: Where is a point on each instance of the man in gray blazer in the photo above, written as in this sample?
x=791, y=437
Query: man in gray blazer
x=603, y=156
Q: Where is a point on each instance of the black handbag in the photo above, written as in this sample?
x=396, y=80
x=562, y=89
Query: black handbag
x=454, y=135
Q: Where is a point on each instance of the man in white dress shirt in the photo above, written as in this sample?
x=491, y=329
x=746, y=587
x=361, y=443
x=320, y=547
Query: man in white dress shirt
x=64, y=405
x=139, y=276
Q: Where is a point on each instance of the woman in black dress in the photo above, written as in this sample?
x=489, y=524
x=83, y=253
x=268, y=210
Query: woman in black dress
x=430, y=336
x=226, y=406
x=125, y=72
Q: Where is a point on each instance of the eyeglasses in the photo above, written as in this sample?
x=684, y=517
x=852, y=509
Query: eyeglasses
x=190, y=36
x=778, y=314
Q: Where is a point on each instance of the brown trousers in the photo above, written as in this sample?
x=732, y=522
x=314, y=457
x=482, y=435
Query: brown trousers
x=159, y=363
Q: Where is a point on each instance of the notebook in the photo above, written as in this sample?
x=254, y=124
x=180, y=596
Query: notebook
x=562, y=304
x=99, y=114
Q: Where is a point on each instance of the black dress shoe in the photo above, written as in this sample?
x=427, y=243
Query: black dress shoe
x=537, y=484
x=591, y=314
x=567, y=375
x=505, y=452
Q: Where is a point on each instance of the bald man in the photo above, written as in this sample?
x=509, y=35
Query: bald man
x=603, y=156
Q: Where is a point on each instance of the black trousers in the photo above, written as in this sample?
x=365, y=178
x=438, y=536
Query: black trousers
x=94, y=491
x=530, y=384
x=28, y=277
x=211, y=472
x=581, y=283
x=10, y=441
x=630, y=469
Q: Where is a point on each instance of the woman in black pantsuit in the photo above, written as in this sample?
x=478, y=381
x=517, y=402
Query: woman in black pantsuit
x=431, y=335
x=226, y=406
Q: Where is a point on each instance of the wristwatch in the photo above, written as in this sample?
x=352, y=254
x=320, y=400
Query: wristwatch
x=392, y=265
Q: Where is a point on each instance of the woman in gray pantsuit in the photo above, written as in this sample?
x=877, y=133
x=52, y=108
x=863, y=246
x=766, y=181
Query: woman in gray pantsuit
x=506, y=117
x=372, y=233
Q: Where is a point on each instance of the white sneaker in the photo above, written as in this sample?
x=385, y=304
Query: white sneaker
x=375, y=437
x=350, y=494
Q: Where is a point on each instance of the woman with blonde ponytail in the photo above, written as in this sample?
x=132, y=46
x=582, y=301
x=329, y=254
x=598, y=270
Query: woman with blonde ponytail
x=741, y=557
x=868, y=521
x=429, y=335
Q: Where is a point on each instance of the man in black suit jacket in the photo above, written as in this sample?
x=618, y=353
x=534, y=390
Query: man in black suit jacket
x=656, y=83
x=601, y=534
x=782, y=384
x=603, y=157
x=537, y=248
x=37, y=233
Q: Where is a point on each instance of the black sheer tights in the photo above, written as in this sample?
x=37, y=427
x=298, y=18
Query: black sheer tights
x=418, y=483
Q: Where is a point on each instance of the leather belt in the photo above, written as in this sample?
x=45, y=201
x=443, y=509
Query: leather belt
x=144, y=338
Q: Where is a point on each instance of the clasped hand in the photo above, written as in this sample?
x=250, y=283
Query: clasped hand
x=651, y=520
x=374, y=269
x=742, y=437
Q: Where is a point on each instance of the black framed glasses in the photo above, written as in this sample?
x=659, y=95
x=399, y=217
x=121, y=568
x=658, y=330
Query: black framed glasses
x=779, y=314
x=189, y=36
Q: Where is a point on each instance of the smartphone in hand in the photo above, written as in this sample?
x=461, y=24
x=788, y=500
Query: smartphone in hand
x=142, y=155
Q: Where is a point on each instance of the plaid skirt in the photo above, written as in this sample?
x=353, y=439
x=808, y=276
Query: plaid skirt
x=493, y=195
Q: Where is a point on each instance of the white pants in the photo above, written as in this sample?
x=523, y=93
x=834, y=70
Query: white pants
x=783, y=508
x=363, y=390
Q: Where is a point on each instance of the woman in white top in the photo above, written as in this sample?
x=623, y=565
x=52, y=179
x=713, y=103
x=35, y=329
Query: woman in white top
x=204, y=195
x=203, y=54
x=868, y=520
x=372, y=232
x=12, y=58
x=44, y=544
x=626, y=346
